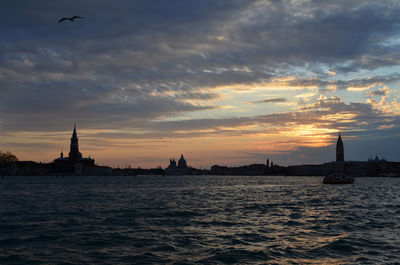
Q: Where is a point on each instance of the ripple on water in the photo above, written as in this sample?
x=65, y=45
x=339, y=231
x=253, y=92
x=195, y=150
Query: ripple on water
x=194, y=219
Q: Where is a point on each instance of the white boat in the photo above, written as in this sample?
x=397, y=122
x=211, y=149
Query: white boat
x=338, y=179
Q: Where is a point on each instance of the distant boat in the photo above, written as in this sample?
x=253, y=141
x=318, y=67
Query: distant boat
x=337, y=179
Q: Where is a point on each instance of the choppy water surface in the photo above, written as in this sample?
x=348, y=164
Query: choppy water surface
x=198, y=219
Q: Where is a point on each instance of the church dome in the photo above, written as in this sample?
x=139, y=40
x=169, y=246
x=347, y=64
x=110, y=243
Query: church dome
x=182, y=162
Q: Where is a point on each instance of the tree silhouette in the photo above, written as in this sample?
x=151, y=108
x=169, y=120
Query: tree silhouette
x=6, y=158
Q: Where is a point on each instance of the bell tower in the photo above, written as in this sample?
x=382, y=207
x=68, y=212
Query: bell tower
x=339, y=150
x=74, y=148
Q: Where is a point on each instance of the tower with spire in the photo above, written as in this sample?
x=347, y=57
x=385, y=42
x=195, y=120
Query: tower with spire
x=339, y=150
x=75, y=164
x=74, y=154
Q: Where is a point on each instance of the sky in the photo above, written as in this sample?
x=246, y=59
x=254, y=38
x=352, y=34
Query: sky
x=228, y=82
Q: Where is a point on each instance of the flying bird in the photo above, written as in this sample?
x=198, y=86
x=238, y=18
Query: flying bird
x=69, y=18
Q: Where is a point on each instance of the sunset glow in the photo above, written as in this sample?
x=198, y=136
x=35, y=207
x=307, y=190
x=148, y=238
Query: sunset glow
x=229, y=83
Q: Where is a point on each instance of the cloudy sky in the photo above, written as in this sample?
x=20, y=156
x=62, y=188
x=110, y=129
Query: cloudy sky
x=223, y=82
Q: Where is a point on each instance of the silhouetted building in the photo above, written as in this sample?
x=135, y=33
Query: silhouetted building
x=172, y=163
x=339, y=150
x=74, y=154
x=30, y=168
x=182, y=162
x=76, y=164
x=248, y=170
x=180, y=169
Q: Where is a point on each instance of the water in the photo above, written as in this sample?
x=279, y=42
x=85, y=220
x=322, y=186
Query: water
x=198, y=220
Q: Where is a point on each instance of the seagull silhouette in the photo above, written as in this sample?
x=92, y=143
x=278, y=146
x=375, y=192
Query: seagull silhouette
x=69, y=18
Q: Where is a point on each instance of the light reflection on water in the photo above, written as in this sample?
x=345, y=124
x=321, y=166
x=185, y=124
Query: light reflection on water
x=198, y=219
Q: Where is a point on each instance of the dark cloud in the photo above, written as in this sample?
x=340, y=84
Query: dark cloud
x=271, y=100
x=384, y=91
x=344, y=84
x=363, y=116
x=109, y=115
